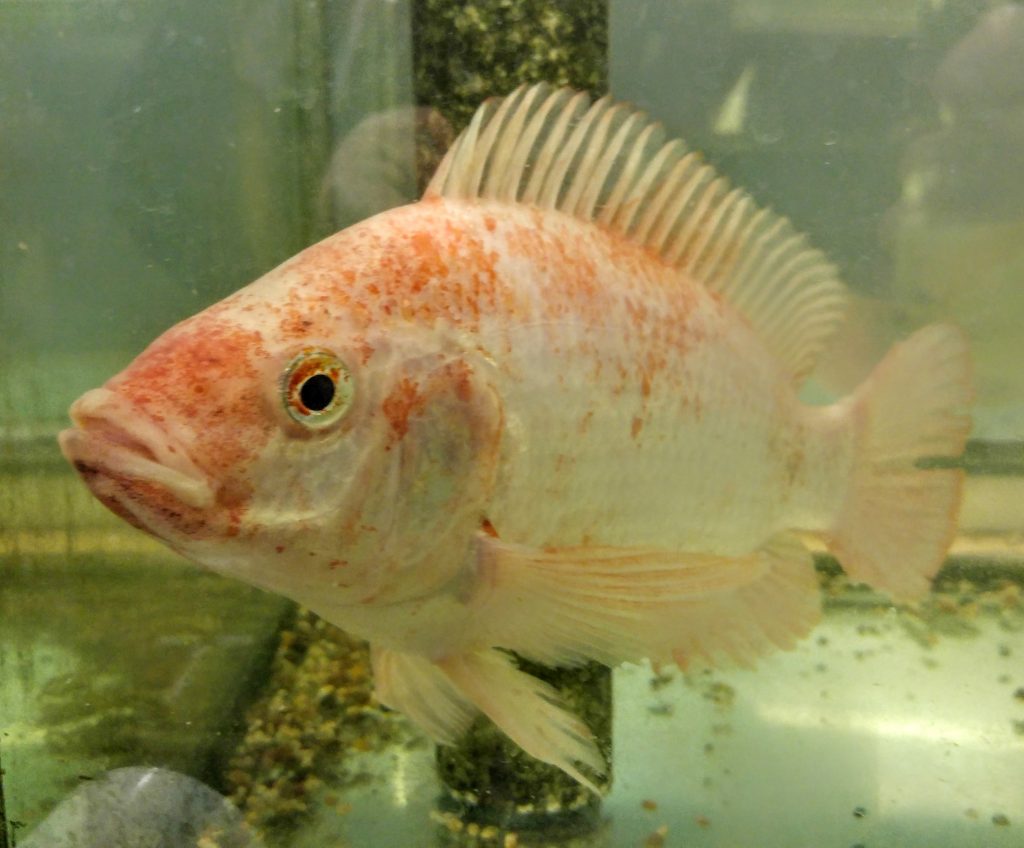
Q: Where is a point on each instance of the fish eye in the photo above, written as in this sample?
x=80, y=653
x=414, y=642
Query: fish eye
x=316, y=388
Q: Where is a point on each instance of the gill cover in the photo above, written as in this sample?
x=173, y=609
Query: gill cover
x=443, y=424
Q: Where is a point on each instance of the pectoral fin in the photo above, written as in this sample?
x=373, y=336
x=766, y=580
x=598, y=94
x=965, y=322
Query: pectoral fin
x=617, y=605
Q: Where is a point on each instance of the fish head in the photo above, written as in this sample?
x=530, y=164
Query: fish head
x=300, y=455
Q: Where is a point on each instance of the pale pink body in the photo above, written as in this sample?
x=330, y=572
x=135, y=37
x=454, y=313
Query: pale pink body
x=635, y=407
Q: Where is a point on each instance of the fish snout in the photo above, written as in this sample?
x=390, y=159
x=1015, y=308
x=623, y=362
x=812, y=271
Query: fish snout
x=113, y=438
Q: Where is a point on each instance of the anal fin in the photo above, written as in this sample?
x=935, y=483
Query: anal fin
x=616, y=605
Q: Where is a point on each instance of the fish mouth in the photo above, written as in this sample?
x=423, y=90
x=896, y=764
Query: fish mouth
x=112, y=439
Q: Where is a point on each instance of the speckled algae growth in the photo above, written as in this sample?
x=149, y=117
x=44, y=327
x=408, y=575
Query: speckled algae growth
x=467, y=52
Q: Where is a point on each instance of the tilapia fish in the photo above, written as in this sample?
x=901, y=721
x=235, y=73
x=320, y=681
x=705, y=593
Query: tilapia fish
x=551, y=408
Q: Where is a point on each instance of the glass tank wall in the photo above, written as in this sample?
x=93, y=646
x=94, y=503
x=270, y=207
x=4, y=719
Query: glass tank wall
x=156, y=156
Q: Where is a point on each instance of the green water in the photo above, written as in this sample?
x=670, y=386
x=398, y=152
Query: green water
x=155, y=156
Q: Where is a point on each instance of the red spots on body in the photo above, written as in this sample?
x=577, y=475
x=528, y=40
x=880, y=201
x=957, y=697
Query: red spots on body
x=404, y=401
x=655, y=361
x=645, y=385
x=188, y=357
x=636, y=427
x=280, y=549
x=430, y=262
x=637, y=311
x=204, y=375
x=365, y=350
x=409, y=397
x=431, y=265
x=458, y=376
x=429, y=268
x=310, y=311
x=488, y=528
x=296, y=326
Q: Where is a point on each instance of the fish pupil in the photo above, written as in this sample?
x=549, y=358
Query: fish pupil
x=317, y=392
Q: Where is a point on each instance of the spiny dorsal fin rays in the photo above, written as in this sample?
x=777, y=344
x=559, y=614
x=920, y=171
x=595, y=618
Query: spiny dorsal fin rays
x=627, y=129
x=591, y=154
x=559, y=176
x=637, y=199
x=608, y=163
x=457, y=161
x=695, y=231
x=661, y=199
x=730, y=219
x=490, y=146
x=709, y=240
x=559, y=123
x=504, y=143
x=650, y=137
x=666, y=229
x=525, y=141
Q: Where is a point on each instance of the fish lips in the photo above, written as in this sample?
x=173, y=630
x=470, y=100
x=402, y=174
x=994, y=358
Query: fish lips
x=111, y=440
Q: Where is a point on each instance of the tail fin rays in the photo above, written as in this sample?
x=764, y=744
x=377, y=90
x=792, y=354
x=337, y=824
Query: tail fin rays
x=899, y=518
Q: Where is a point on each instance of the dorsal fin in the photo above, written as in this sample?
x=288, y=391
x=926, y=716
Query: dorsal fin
x=608, y=163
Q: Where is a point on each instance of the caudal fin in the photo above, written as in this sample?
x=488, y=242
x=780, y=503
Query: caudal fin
x=901, y=510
